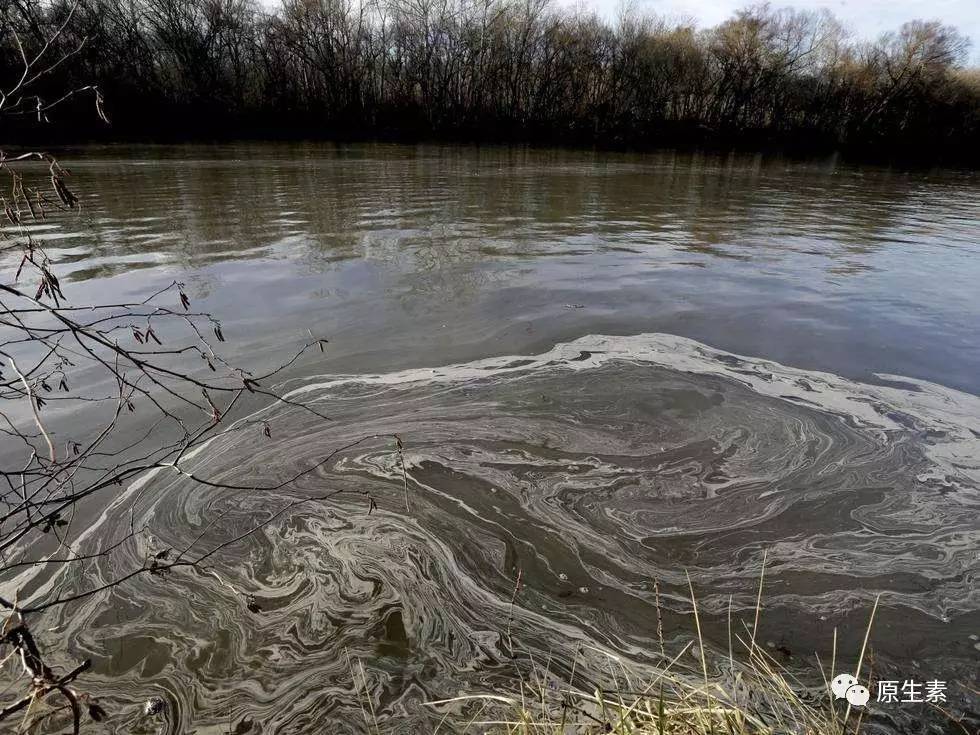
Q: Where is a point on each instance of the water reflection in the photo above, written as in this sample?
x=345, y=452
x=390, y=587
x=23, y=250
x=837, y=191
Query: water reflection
x=811, y=263
x=193, y=206
x=409, y=257
x=595, y=468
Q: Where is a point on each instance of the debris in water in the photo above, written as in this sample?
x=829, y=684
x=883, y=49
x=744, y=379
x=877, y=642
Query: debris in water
x=154, y=706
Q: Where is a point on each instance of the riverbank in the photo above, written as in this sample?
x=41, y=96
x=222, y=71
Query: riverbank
x=502, y=71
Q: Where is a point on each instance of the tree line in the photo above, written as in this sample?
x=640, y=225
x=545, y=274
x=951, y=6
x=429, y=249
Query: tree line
x=495, y=69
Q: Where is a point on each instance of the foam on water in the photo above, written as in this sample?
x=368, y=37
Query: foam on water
x=594, y=468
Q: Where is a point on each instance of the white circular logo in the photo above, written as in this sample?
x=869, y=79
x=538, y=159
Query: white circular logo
x=857, y=695
x=841, y=683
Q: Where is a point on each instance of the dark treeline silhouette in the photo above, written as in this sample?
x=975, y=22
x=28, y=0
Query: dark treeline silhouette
x=497, y=70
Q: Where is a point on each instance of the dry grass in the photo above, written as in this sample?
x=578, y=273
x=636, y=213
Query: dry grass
x=746, y=692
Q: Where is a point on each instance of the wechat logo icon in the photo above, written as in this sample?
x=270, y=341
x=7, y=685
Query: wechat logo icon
x=845, y=686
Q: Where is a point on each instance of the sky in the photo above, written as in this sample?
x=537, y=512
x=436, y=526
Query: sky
x=866, y=18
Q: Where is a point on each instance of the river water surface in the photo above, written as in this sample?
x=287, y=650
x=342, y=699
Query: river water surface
x=607, y=369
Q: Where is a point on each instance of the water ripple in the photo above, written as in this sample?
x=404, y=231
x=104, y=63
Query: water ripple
x=594, y=469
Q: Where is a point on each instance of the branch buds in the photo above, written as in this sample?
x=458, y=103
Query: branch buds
x=62, y=190
x=49, y=286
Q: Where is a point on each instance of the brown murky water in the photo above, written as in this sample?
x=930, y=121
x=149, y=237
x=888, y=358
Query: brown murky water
x=608, y=369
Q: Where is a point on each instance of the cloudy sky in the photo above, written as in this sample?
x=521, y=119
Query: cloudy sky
x=866, y=18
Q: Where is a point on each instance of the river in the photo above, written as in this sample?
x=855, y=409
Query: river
x=606, y=369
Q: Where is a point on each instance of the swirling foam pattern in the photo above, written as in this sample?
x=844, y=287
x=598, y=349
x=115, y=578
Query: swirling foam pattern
x=594, y=468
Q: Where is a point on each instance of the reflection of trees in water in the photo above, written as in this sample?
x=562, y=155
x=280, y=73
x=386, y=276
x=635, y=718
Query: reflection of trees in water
x=452, y=270
x=442, y=212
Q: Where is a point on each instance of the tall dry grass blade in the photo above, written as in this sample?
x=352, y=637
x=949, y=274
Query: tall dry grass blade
x=731, y=653
x=758, y=601
x=860, y=663
x=867, y=635
x=367, y=695
x=660, y=620
x=353, y=678
x=697, y=624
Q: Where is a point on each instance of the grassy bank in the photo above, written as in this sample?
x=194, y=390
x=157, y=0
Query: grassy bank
x=743, y=691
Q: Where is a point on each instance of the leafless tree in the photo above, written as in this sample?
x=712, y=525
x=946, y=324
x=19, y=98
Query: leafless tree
x=521, y=68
